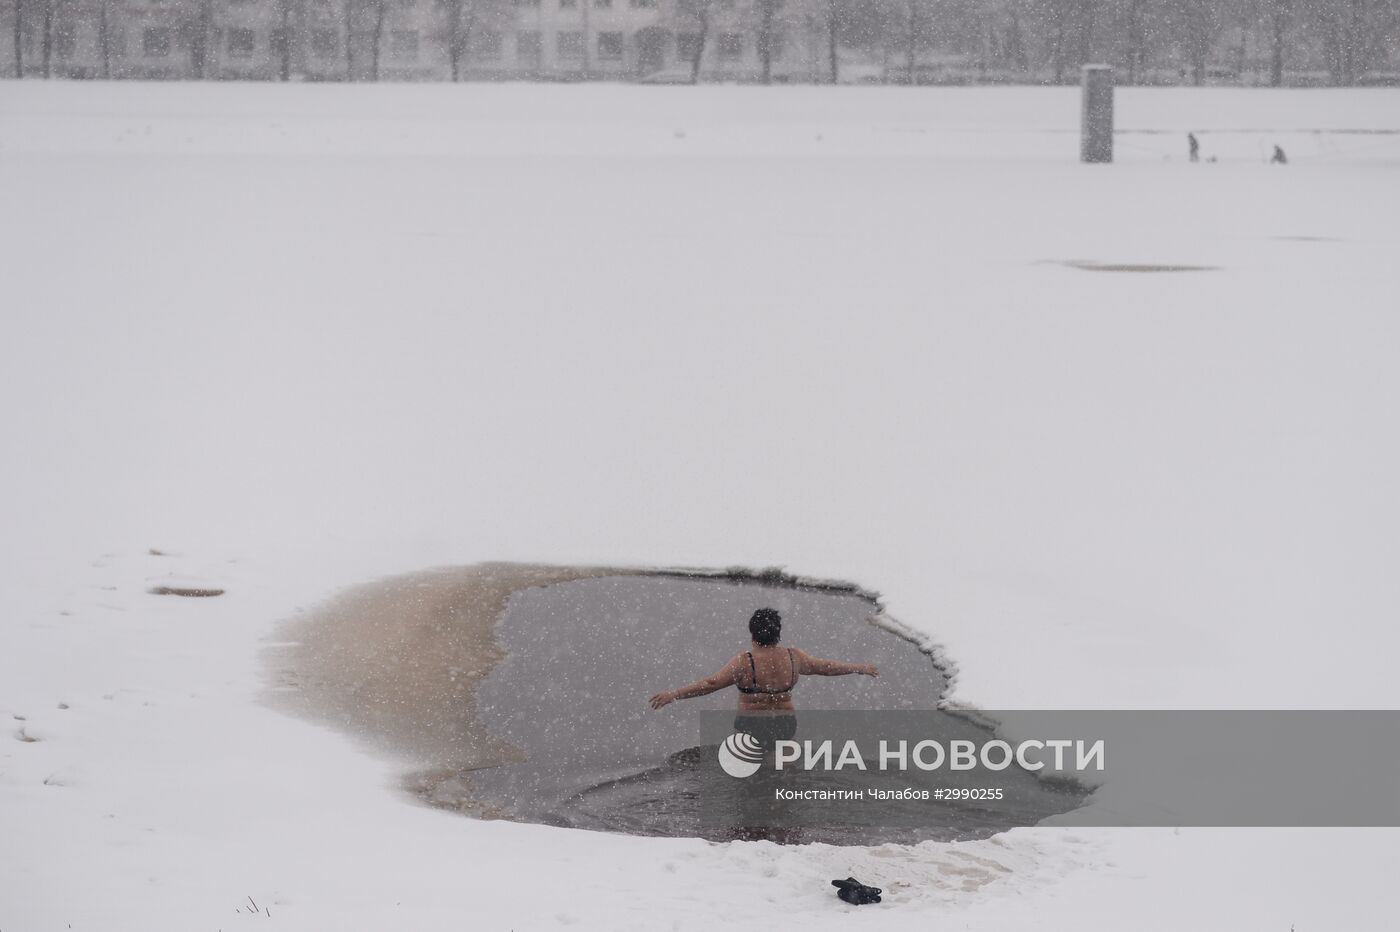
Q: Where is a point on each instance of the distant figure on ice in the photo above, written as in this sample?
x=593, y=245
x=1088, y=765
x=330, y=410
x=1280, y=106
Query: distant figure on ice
x=1195, y=146
x=765, y=677
x=1279, y=158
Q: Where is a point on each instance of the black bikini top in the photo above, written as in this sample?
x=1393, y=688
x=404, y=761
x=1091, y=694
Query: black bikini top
x=753, y=679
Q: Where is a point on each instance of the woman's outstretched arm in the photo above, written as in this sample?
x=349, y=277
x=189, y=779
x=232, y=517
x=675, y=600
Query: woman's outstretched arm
x=702, y=687
x=816, y=666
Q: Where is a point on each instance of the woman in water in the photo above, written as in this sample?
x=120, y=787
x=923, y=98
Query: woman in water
x=765, y=676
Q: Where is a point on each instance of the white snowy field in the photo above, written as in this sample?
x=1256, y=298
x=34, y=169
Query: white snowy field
x=296, y=338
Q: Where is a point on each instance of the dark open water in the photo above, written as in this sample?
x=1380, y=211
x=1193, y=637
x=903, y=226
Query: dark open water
x=582, y=658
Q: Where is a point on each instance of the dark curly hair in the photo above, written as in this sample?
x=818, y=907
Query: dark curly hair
x=766, y=627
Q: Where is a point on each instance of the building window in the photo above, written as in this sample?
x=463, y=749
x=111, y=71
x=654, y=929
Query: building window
x=403, y=45
x=687, y=44
x=609, y=46
x=567, y=4
x=278, y=41
x=65, y=38
x=486, y=45
x=532, y=4
x=731, y=46
x=570, y=44
x=643, y=4
x=155, y=42
x=528, y=49
x=240, y=43
x=603, y=4
x=323, y=44
x=776, y=42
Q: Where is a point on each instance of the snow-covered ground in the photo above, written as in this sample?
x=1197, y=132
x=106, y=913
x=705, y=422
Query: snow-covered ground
x=295, y=338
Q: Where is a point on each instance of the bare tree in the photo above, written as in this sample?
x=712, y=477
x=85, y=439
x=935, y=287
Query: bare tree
x=377, y=37
x=465, y=19
x=459, y=29
x=1200, y=22
x=911, y=40
x=104, y=36
x=1349, y=32
x=1058, y=45
x=285, y=65
x=1280, y=22
x=1136, y=37
x=701, y=10
x=364, y=27
x=765, y=40
x=1086, y=15
x=46, y=39
x=1015, y=44
x=833, y=38
x=909, y=25
x=199, y=29
x=347, y=13
x=19, y=38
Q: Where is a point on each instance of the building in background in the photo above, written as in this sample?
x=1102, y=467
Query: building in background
x=414, y=40
x=898, y=41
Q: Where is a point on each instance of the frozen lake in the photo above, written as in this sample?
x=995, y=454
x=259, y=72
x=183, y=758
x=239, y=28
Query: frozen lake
x=295, y=338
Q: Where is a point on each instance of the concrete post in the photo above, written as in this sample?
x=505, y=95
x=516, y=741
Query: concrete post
x=1096, y=121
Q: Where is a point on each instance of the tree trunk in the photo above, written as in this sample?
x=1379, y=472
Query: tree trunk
x=1197, y=42
x=46, y=41
x=468, y=31
x=1136, y=40
x=833, y=24
x=454, y=38
x=348, y=15
x=19, y=38
x=1087, y=12
x=1242, y=51
x=1016, y=42
x=1278, y=23
x=286, y=70
x=703, y=15
x=378, y=38
x=104, y=38
x=1344, y=48
x=588, y=39
x=1357, y=44
x=199, y=41
x=911, y=55
x=765, y=40
x=989, y=47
